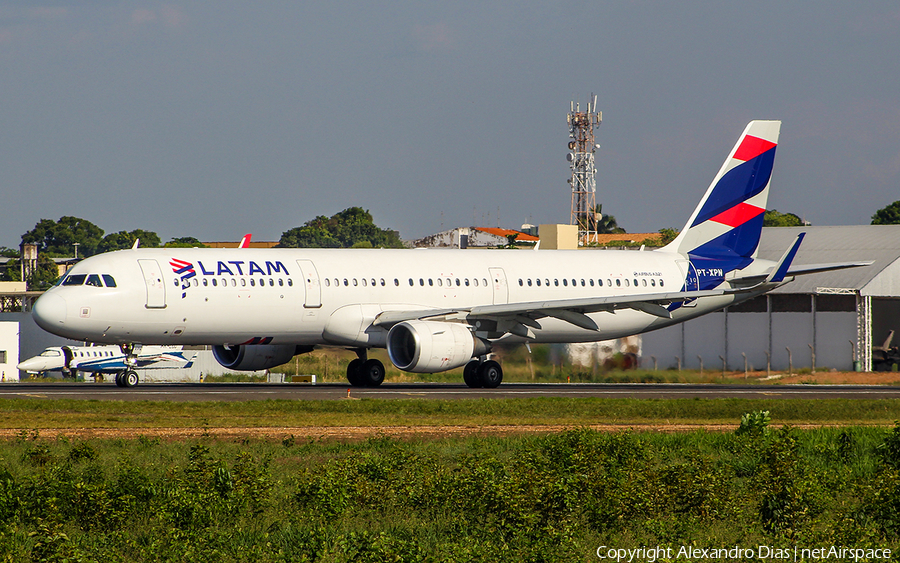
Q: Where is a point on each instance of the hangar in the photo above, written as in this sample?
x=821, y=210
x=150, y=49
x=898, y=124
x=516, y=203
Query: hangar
x=829, y=320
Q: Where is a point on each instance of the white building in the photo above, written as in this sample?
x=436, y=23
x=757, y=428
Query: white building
x=834, y=317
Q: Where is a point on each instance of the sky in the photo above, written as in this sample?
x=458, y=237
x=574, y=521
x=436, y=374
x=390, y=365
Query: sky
x=213, y=119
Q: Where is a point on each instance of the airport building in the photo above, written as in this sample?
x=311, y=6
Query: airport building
x=830, y=320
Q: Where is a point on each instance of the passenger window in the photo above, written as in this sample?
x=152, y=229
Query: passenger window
x=109, y=281
x=205, y=282
x=457, y=282
x=271, y=282
x=660, y=283
x=449, y=282
x=355, y=282
x=467, y=282
x=609, y=282
x=280, y=282
x=618, y=283
x=430, y=282
x=440, y=282
x=327, y=282
x=521, y=283
x=346, y=282
x=214, y=282
x=364, y=282
x=233, y=282
x=556, y=283
x=485, y=282
x=396, y=282
x=337, y=282
x=75, y=279
x=421, y=282
x=290, y=282
x=644, y=282
x=582, y=283
x=373, y=282
x=175, y=282
x=565, y=282
x=626, y=282
x=529, y=282
x=243, y=282
x=592, y=282
x=546, y=282
x=252, y=282
x=635, y=282
x=653, y=283
x=538, y=280
x=410, y=282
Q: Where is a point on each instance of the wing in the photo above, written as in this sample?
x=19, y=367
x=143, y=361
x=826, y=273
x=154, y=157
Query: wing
x=518, y=318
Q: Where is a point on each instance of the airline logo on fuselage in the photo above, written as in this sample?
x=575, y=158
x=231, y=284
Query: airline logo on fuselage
x=186, y=271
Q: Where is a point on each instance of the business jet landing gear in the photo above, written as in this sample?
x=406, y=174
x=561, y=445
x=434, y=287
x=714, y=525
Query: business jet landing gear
x=486, y=374
x=128, y=377
x=363, y=372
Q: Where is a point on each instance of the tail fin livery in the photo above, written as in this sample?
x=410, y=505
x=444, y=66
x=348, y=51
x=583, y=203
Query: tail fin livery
x=726, y=225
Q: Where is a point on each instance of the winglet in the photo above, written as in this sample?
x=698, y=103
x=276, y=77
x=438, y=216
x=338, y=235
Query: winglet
x=134, y=246
x=780, y=270
x=245, y=242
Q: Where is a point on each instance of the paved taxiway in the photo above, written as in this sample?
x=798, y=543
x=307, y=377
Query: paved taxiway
x=334, y=391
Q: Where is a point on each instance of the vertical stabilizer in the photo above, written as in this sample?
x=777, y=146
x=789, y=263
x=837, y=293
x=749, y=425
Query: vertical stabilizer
x=726, y=225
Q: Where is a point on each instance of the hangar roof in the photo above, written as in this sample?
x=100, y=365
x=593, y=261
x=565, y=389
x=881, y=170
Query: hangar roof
x=851, y=243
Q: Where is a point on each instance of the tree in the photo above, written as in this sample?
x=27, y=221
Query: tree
x=606, y=224
x=352, y=227
x=43, y=276
x=775, y=219
x=667, y=235
x=185, y=242
x=59, y=237
x=889, y=215
x=123, y=240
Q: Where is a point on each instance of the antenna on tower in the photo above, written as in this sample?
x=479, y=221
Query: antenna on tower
x=583, y=171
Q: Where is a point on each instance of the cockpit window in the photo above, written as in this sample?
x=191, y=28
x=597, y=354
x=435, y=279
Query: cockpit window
x=94, y=280
x=75, y=279
x=51, y=353
x=110, y=282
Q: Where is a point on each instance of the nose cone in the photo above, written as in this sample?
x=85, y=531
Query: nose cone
x=49, y=312
x=35, y=364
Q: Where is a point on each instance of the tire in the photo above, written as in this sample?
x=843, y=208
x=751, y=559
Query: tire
x=130, y=379
x=372, y=373
x=491, y=374
x=354, y=375
x=470, y=375
x=119, y=378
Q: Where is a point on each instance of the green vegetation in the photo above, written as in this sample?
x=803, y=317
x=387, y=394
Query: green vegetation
x=350, y=228
x=889, y=215
x=555, y=497
x=773, y=218
x=39, y=413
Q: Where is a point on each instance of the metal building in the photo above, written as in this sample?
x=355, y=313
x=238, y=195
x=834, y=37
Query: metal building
x=827, y=320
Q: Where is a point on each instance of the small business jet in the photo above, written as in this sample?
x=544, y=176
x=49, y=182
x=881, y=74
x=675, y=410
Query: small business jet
x=433, y=310
x=106, y=360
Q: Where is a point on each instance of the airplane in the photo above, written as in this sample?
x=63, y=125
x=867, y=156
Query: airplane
x=106, y=359
x=433, y=310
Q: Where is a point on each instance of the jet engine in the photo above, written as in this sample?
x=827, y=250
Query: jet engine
x=430, y=346
x=251, y=358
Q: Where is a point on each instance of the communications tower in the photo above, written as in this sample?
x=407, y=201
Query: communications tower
x=581, y=161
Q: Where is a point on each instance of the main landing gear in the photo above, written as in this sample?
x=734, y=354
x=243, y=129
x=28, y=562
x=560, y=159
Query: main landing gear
x=487, y=374
x=363, y=372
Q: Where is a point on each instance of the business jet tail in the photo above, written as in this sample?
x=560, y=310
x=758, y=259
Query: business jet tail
x=726, y=225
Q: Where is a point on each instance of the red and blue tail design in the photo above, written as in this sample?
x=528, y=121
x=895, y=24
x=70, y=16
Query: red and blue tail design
x=722, y=234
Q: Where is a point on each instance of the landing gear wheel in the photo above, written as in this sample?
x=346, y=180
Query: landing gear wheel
x=491, y=374
x=129, y=379
x=371, y=373
x=470, y=374
x=354, y=373
x=119, y=375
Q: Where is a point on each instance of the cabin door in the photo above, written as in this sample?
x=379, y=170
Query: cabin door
x=313, y=297
x=156, y=289
x=501, y=291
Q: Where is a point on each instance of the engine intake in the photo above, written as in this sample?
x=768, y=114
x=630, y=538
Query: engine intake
x=253, y=358
x=430, y=346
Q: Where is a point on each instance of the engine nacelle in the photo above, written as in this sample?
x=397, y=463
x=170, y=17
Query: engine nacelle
x=252, y=358
x=430, y=347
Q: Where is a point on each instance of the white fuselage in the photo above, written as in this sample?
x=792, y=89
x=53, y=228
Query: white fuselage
x=332, y=296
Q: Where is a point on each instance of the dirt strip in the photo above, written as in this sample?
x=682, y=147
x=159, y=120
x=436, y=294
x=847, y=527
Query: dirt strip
x=353, y=433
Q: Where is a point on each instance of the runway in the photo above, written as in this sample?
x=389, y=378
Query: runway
x=196, y=392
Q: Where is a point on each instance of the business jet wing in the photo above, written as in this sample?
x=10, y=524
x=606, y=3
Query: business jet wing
x=571, y=310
